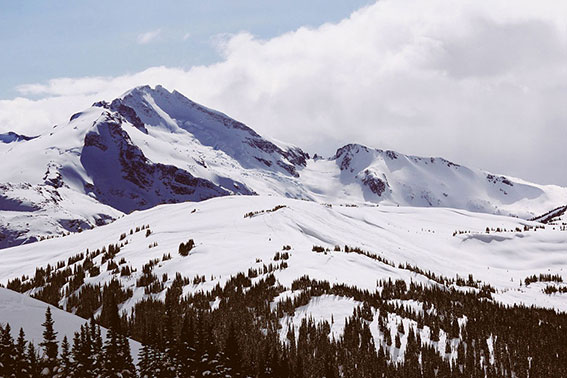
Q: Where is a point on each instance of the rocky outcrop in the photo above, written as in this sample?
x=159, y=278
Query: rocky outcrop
x=122, y=176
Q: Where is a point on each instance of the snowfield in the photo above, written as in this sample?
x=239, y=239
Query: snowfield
x=227, y=243
x=151, y=171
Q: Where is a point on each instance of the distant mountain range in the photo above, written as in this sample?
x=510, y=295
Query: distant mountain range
x=151, y=146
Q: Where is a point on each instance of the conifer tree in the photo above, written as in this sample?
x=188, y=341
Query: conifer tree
x=232, y=351
x=97, y=357
x=127, y=368
x=49, y=345
x=22, y=363
x=187, y=352
x=34, y=362
x=65, y=359
x=7, y=352
x=145, y=361
x=80, y=359
x=117, y=360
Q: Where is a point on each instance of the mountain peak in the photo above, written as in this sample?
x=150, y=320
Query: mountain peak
x=152, y=146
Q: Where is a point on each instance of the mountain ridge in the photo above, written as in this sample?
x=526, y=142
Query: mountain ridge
x=151, y=146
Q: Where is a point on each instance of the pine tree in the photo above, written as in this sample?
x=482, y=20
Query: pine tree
x=65, y=359
x=22, y=363
x=34, y=362
x=128, y=367
x=187, y=352
x=80, y=359
x=170, y=330
x=7, y=352
x=117, y=360
x=97, y=357
x=145, y=361
x=111, y=363
x=232, y=351
x=49, y=345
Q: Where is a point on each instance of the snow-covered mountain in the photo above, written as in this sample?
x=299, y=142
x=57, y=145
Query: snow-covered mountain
x=394, y=178
x=245, y=233
x=152, y=146
x=208, y=223
x=106, y=162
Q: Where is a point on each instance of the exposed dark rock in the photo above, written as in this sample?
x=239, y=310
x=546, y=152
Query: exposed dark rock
x=496, y=179
x=392, y=155
x=10, y=237
x=53, y=177
x=11, y=137
x=288, y=167
x=550, y=216
x=375, y=184
x=102, y=104
x=296, y=156
x=126, y=180
x=346, y=153
x=75, y=116
x=266, y=162
x=94, y=140
x=129, y=114
x=74, y=225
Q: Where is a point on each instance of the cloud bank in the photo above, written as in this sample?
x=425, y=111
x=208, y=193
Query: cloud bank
x=479, y=82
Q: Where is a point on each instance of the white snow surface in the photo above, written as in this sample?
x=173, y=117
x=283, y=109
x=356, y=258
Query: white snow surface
x=330, y=308
x=228, y=243
x=21, y=311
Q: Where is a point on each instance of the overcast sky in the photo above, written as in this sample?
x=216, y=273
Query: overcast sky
x=482, y=83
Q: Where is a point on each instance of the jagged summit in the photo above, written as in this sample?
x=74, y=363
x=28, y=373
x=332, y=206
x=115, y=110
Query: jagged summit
x=160, y=110
x=152, y=146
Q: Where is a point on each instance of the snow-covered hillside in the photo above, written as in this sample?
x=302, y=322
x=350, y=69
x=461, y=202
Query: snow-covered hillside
x=21, y=311
x=152, y=146
x=555, y=217
x=312, y=262
x=207, y=226
x=447, y=242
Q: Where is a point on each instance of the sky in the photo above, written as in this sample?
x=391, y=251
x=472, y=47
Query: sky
x=481, y=83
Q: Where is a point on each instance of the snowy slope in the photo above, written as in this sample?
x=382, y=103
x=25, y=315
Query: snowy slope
x=152, y=146
x=386, y=176
x=228, y=243
x=21, y=311
x=106, y=162
x=556, y=217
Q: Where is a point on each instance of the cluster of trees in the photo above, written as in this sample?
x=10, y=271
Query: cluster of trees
x=88, y=356
x=488, y=230
x=185, y=248
x=551, y=289
x=543, y=278
x=253, y=213
x=186, y=335
x=454, y=334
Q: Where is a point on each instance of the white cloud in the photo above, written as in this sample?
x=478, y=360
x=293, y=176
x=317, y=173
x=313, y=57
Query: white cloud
x=148, y=37
x=478, y=82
